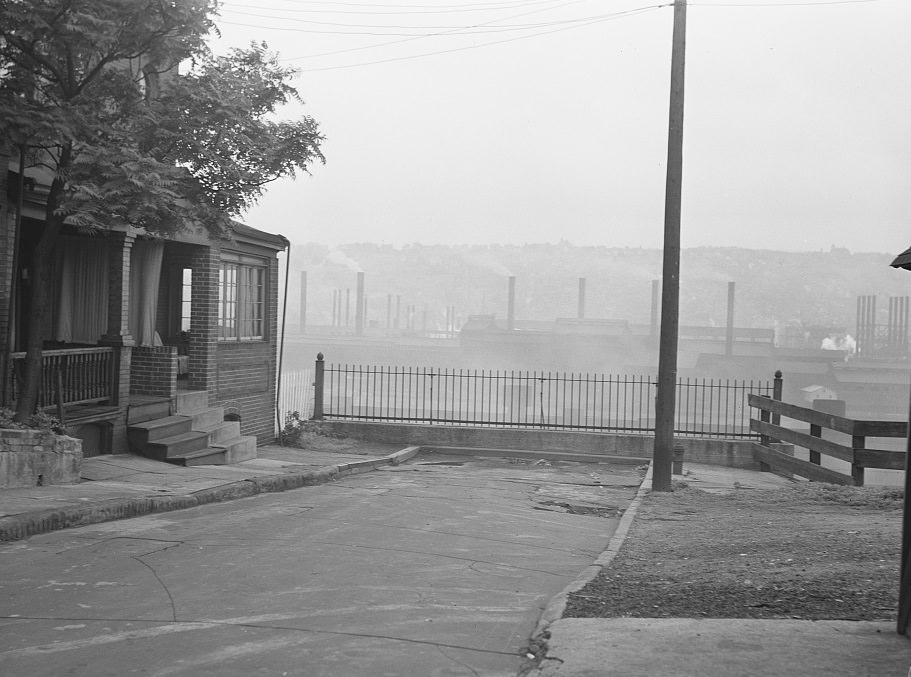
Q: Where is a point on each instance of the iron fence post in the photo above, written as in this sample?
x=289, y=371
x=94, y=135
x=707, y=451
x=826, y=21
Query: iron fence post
x=319, y=380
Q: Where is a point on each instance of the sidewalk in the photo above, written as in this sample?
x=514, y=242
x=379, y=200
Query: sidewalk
x=704, y=647
x=124, y=485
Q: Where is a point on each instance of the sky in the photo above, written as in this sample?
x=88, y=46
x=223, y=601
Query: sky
x=536, y=121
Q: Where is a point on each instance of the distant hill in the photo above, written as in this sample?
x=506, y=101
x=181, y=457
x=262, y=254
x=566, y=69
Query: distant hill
x=773, y=289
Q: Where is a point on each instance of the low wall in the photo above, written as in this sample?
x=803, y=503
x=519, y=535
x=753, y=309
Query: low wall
x=153, y=371
x=727, y=453
x=31, y=458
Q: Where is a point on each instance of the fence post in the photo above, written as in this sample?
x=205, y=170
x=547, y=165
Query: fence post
x=857, y=471
x=776, y=395
x=815, y=456
x=677, y=463
x=319, y=380
x=764, y=439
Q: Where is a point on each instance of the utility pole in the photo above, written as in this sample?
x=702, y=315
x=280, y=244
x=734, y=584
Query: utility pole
x=662, y=460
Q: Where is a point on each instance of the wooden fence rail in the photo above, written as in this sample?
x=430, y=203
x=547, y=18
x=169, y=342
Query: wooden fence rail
x=770, y=456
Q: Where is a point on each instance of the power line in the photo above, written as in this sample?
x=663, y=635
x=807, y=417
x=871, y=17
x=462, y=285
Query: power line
x=467, y=30
x=454, y=31
x=481, y=46
x=399, y=9
x=483, y=28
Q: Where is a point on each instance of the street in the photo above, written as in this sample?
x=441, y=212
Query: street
x=438, y=567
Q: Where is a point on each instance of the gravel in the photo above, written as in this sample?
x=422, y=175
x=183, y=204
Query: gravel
x=805, y=551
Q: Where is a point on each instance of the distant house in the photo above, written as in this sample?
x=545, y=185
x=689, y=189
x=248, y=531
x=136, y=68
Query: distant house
x=163, y=346
x=817, y=392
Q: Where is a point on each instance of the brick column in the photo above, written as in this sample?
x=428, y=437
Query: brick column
x=7, y=240
x=205, y=263
x=118, y=332
x=7, y=237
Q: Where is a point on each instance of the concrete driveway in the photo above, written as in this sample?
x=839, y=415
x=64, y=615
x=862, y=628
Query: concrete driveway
x=437, y=567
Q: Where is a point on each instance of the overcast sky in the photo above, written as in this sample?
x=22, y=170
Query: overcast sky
x=529, y=121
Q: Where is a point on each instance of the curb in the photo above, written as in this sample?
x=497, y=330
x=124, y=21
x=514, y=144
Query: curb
x=557, y=605
x=18, y=527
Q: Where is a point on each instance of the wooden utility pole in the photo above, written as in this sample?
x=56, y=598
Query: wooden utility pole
x=670, y=290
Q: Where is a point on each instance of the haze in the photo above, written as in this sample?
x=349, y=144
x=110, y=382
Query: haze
x=796, y=130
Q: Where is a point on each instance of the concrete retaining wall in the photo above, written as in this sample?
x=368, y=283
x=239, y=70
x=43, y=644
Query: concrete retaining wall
x=727, y=453
x=31, y=458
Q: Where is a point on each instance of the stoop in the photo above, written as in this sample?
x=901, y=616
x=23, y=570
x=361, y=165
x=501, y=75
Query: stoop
x=189, y=432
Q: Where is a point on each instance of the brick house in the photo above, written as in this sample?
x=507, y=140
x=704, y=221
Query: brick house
x=162, y=347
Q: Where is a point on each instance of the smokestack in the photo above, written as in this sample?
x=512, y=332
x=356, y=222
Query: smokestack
x=359, y=308
x=348, y=307
x=303, y=320
x=511, y=304
x=729, y=343
x=656, y=286
x=581, y=298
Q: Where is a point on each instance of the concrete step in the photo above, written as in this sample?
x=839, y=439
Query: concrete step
x=191, y=401
x=203, y=419
x=221, y=431
x=207, y=456
x=237, y=449
x=177, y=445
x=140, y=434
x=144, y=408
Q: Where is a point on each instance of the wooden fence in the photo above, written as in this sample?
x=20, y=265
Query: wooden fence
x=771, y=456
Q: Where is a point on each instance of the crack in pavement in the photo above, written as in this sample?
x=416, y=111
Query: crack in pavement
x=458, y=662
x=168, y=627
x=138, y=558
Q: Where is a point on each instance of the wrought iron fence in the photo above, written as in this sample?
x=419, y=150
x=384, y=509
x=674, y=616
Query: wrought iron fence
x=529, y=399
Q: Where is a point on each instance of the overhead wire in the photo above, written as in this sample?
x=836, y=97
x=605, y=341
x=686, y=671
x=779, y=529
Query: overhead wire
x=483, y=45
x=457, y=30
x=482, y=28
x=398, y=9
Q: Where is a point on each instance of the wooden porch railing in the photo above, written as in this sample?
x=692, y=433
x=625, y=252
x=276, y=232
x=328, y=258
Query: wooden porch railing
x=857, y=453
x=77, y=376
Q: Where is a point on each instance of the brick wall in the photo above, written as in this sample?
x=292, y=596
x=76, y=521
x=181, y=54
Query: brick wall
x=246, y=372
x=153, y=371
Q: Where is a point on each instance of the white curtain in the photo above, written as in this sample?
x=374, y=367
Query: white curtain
x=82, y=290
x=145, y=274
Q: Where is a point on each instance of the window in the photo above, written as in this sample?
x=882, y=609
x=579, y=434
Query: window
x=186, y=298
x=241, y=298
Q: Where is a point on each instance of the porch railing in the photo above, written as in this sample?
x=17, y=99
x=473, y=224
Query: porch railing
x=76, y=376
x=527, y=399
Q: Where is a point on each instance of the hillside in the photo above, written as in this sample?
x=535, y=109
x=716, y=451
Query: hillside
x=773, y=289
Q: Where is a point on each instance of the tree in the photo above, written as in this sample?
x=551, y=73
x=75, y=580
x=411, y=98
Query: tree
x=137, y=123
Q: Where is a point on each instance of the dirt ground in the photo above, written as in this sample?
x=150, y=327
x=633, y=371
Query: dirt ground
x=805, y=551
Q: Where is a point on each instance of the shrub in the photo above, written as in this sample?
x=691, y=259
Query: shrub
x=39, y=421
x=298, y=431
